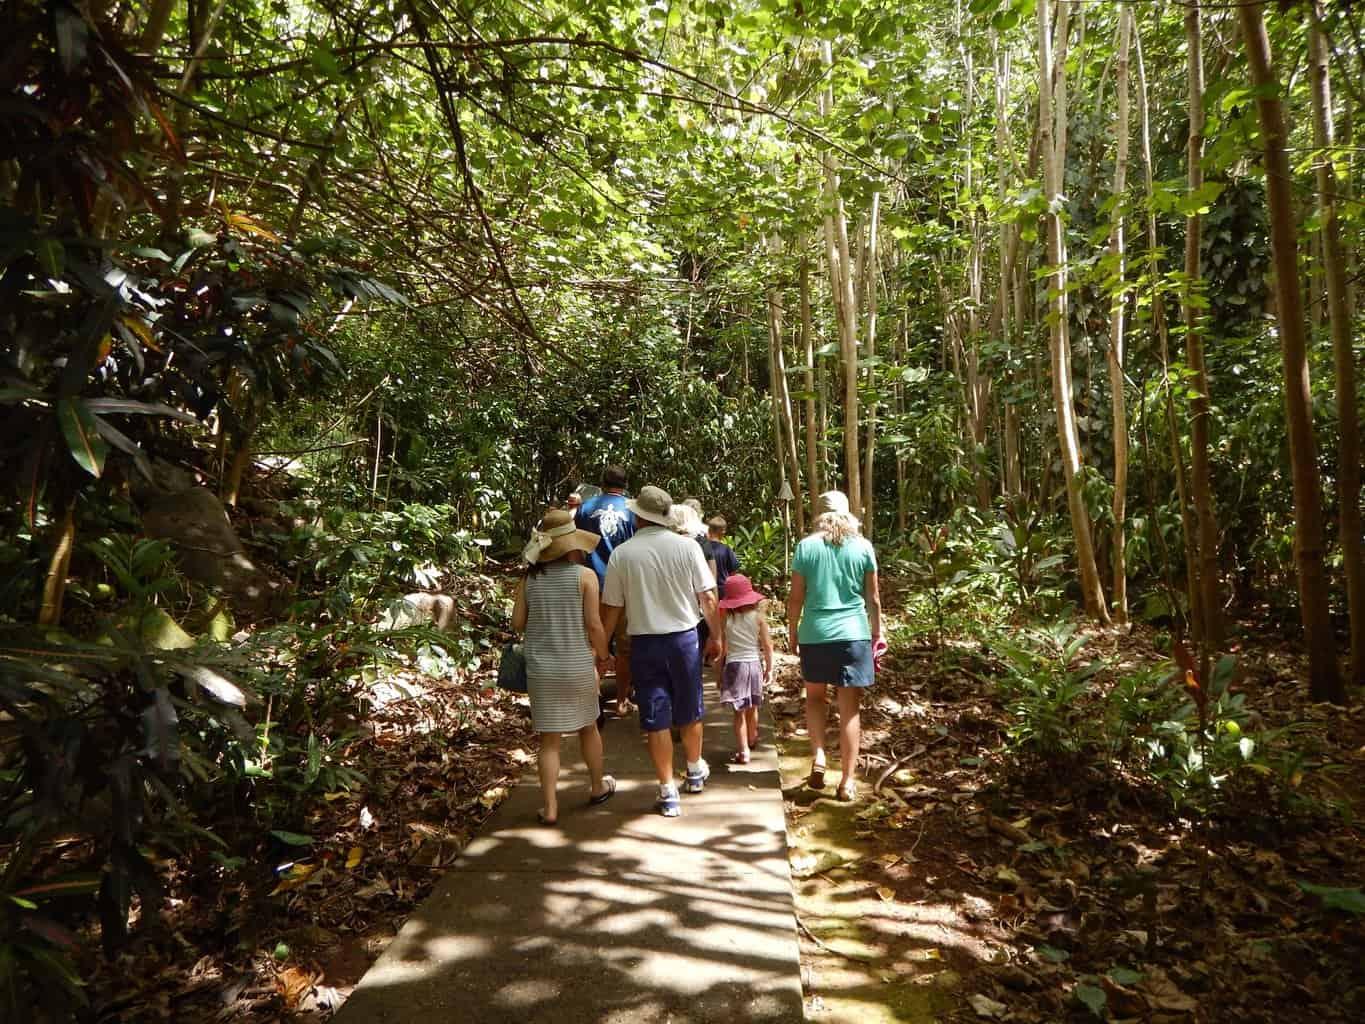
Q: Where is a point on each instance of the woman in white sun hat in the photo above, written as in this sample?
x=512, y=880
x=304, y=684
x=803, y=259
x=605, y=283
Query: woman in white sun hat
x=557, y=609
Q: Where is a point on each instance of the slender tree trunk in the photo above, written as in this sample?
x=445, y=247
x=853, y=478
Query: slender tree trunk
x=1161, y=330
x=154, y=28
x=1052, y=139
x=978, y=383
x=1116, y=338
x=1202, y=484
x=774, y=386
x=869, y=352
x=1324, y=677
x=846, y=308
x=808, y=350
x=54, y=582
x=902, y=512
x=786, y=417
x=1339, y=320
x=1012, y=469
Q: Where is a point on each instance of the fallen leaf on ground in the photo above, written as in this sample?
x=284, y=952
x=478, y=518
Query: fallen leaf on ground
x=987, y=1007
x=492, y=797
x=293, y=983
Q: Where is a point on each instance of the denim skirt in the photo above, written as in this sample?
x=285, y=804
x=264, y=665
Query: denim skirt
x=841, y=663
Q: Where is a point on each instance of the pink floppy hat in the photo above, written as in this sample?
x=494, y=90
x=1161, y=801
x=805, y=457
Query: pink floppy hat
x=739, y=593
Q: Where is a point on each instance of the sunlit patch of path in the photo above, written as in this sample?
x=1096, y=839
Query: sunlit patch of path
x=616, y=916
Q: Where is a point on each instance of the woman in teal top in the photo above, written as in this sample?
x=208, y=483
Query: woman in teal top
x=834, y=619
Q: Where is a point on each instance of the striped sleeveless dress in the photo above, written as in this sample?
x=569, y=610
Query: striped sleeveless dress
x=561, y=674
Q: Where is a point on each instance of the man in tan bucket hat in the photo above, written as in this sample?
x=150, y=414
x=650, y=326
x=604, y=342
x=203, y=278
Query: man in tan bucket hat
x=659, y=579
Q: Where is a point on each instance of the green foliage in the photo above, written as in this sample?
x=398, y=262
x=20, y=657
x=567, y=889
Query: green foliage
x=345, y=558
x=1024, y=549
x=1352, y=901
x=761, y=551
x=941, y=567
x=1042, y=689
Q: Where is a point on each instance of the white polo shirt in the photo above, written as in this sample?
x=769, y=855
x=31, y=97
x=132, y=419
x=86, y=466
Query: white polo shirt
x=656, y=576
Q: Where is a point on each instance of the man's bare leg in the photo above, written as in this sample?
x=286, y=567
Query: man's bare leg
x=691, y=742
x=661, y=753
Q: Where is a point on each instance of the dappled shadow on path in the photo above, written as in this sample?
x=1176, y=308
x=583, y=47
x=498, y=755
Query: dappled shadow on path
x=617, y=916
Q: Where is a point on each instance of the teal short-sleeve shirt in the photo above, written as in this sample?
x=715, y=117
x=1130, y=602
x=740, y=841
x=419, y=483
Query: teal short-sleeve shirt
x=834, y=609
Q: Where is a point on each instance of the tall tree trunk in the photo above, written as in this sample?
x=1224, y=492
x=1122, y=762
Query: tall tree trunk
x=1202, y=483
x=846, y=309
x=1161, y=330
x=1116, y=338
x=1052, y=142
x=1012, y=468
x=1324, y=677
x=902, y=511
x=54, y=582
x=1339, y=320
x=978, y=383
x=774, y=386
x=784, y=408
x=808, y=351
x=154, y=28
x=869, y=352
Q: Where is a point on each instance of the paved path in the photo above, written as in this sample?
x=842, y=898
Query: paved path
x=619, y=916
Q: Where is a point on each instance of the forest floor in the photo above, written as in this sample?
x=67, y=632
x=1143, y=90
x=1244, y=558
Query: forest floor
x=963, y=885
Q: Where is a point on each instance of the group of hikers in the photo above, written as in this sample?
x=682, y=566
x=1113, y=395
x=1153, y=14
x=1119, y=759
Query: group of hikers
x=642, y=586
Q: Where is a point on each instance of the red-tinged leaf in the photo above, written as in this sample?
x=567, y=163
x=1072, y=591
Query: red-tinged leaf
x=171, y=138
x=33, y=480
x=51, y=931
x=82, y=435
x=74, y=883
x=1183, y=657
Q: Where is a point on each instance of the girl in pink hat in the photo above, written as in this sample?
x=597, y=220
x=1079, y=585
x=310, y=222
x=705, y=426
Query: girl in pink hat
x=747, y=654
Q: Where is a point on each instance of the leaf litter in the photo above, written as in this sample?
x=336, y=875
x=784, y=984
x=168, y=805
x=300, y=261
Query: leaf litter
x=1048, y=894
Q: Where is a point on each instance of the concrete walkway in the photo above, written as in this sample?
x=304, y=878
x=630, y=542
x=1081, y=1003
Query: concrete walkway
x=617, y=916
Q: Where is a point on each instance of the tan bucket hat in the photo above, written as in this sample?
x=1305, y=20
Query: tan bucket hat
x=556, y=537
x=653, y=505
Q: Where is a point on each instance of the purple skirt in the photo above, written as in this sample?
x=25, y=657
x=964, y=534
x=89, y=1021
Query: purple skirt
x=741, y=685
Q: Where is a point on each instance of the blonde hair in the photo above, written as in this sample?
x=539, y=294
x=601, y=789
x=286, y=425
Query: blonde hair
x=837, y=527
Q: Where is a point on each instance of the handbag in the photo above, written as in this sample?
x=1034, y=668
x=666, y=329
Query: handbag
x=512, y=669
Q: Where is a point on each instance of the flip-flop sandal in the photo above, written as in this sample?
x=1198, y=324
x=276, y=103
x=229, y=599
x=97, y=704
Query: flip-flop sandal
x=547, y=822
x=847, y=791
x=816, y=779
x=602, y=797
x=739, y=757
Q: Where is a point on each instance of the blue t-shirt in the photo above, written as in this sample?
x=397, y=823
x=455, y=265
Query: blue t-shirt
x=726, y=563
x=607, y=516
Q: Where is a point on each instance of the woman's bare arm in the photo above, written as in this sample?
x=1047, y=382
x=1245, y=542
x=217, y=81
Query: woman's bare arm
x=519, y=610
x=765, y=645
x=592, y=618
x=872, y=597
x=796, y=600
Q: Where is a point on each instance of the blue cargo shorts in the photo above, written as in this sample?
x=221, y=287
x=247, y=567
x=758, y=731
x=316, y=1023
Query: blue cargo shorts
x=666, y=670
